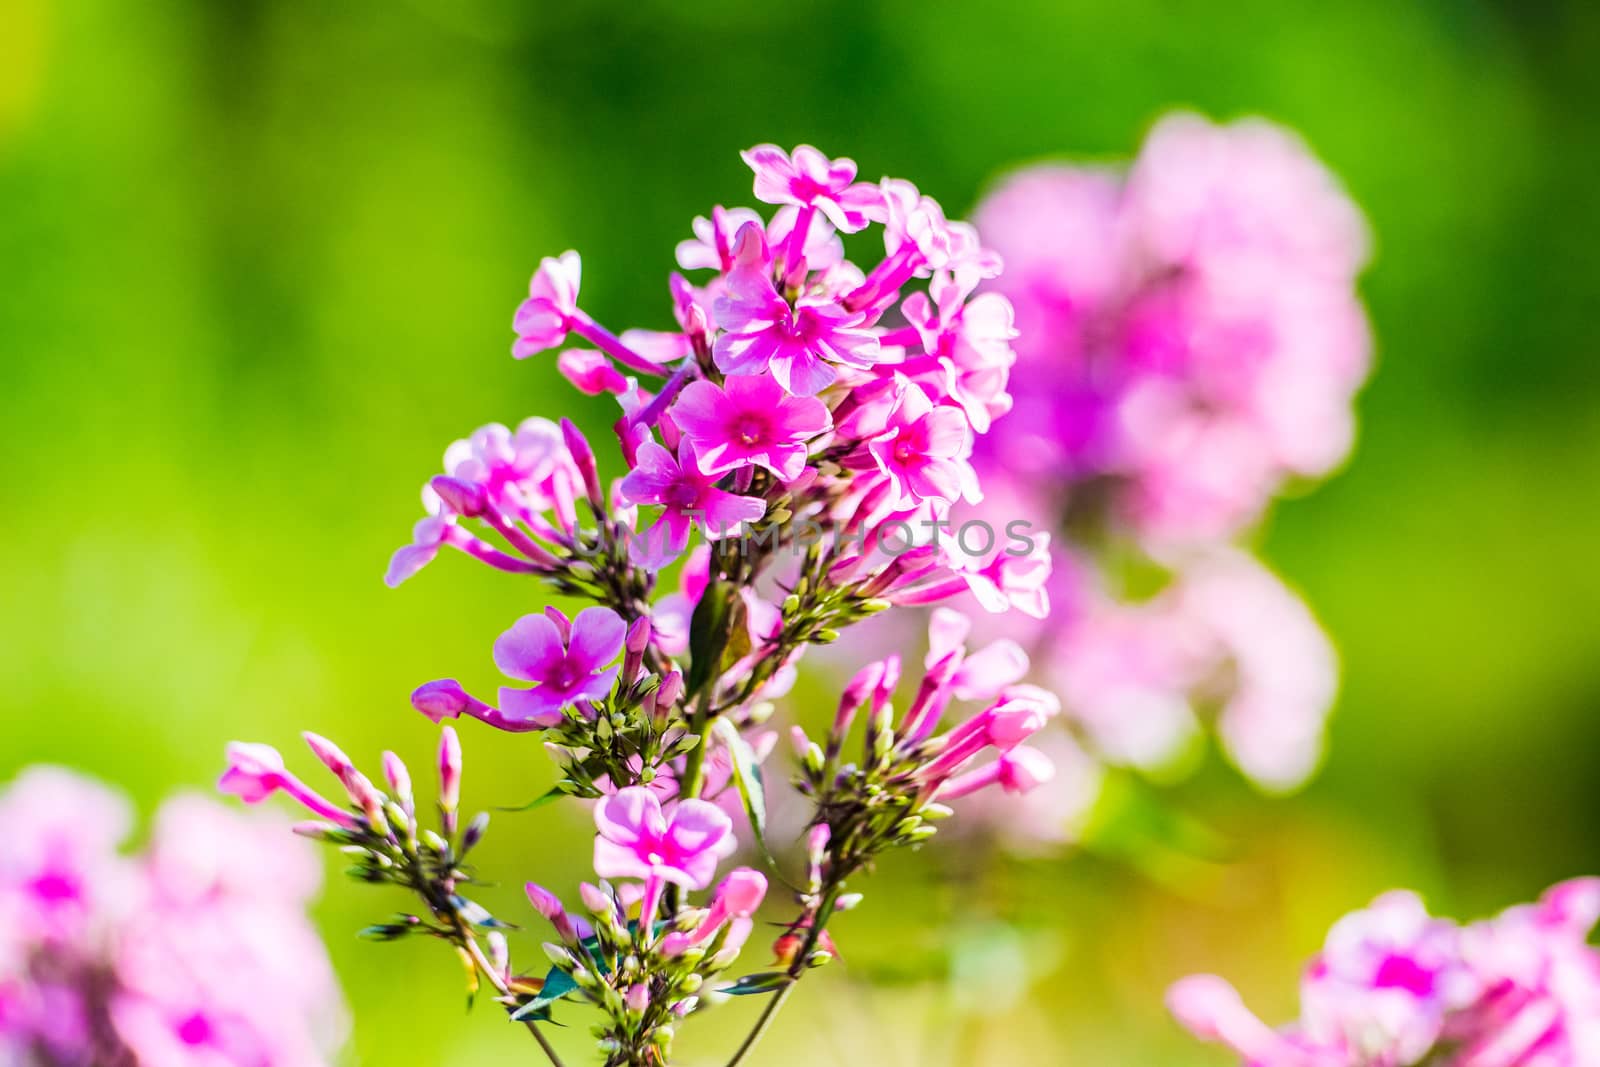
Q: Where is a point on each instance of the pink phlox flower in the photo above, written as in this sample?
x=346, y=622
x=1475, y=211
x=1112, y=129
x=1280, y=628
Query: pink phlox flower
x=1385, y=981
x=923, y=448
x=1210, y=1008
x=982, y=675
x=749, y=420
x=566, y=662
x=1013, y=581
x=522, y=473
x=658, y=346
x=255, y=772
x=711, y=248
x=638, y=840
x=60, y=865
x=822, y=250
x=591, y=373
x=543, y=320
x=798, y=345
x=969, y=342
x=687, y=497
x=810, y=179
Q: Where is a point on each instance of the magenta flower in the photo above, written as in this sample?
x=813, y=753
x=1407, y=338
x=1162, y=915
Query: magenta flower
x=809, y=179
x=712, y=246
x=685, y=496
x=638, y=840
x=795, y=344
x=920, y=447
x=255, y=772
x=590, y=372
x=566, y=662
x=750, y=420
x=969, y=342
x=543, y=320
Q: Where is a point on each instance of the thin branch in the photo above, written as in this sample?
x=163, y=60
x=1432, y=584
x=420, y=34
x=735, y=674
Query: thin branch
x=488, y=971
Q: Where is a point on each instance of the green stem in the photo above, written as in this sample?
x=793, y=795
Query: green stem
x=487, y=969
x=819, y=922
x=767, y=1015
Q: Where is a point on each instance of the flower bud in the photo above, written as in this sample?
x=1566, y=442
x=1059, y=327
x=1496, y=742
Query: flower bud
x=465, y=498
x=475, y=831
x=638, y=999
x=398, y=776
x=449, y=774
x=329, y=753
x=583, y=459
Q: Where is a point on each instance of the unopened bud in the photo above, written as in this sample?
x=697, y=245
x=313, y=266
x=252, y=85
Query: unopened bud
x=475, y=831
x=449, y=775
x=560, y=956
x=467, y=499
x=329, y=753
x=638, y=999
x=847, y=902
x=398, y=776
x=583, y=459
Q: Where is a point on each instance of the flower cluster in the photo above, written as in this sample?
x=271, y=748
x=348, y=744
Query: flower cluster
x=1394, y=987
x=783, y=447
x=1190, y=339
x=195, y=952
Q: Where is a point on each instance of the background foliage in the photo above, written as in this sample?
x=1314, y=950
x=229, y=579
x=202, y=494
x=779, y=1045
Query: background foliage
x=260, y=260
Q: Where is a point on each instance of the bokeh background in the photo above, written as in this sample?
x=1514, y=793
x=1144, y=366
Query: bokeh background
x=259, y=266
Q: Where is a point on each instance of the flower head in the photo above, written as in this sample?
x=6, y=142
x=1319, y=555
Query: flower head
x=810, y=179
x=543, y=320
x=687, y=496
x=565, y=661
x=798, y=345
x=750, y=420
x=638, y=840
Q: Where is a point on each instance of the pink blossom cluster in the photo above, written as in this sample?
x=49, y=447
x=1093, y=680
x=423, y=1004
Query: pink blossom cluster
x=1395, y=987
x=787, y=447
x=1191, y=328
x=195, y=953
x=1189, y=342
x=797, y=386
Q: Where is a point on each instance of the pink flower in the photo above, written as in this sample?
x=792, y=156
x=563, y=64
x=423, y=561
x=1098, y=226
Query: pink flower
x=1210, y=1008
x=1385, y=981
x=567, y=662
x=591, y=372
x=712, y=246
x=1019, y=771
x=809, y=179
x=969, y=342
x=686, y=496
x=543, y=320
x=1020, y=581
x=60, y=866
x=736, y=899
x=750, y=420
x=921, y=448
x=256, y=771
x=637, y=840
x=798, y=345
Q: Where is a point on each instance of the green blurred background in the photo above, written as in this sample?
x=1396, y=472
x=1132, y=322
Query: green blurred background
x=260, y=262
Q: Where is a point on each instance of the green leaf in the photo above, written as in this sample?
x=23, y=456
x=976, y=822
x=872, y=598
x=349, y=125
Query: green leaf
x=754, y=984
x=708, y=635
x=747, y=774
x=555, y=793
x=557, y=984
